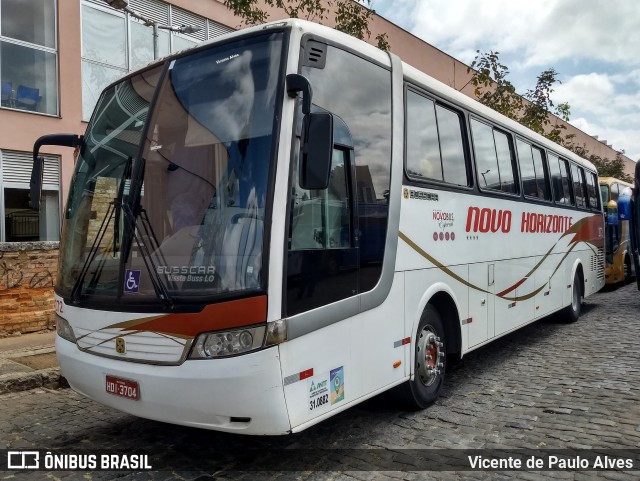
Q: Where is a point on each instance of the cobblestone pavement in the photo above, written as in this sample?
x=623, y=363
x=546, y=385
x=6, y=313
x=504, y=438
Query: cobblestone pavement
x=547, y=386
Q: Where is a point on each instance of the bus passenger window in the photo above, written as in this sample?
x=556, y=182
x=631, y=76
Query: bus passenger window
x=566, y=188
x=541, y=174
x=578, y=185
x=592, y=191
x=454, y=166
x=534, y=175
x=559, y=180
x=435, y=149
x=494, y=158
x=423, y=152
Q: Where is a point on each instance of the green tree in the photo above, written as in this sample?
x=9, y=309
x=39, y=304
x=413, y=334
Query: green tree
x=606, y=167
x=491, y=86
x=493, y=89
x=350, y=17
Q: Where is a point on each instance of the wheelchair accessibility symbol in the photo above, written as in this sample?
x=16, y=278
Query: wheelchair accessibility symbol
x=131, y=281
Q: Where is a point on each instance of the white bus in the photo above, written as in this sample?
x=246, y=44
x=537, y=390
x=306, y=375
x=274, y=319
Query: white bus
x=283, y=222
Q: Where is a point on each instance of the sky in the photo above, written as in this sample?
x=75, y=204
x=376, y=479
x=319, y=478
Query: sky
x=593, y=45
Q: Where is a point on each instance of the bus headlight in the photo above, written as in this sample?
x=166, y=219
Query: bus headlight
x=64, y=329
x=228, y=343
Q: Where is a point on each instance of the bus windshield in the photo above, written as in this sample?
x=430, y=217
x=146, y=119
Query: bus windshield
x=169, y=193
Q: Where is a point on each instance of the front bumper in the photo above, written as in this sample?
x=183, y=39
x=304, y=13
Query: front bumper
x=242, y=394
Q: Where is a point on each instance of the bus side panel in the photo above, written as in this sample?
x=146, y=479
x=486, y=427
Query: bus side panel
x=549, y=285
x=514, y=306
x=480, y=324
x=332, y=368
x=423, y=284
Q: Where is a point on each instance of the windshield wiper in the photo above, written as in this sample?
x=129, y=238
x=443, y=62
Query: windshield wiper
x=77, y=286
x=156, y=281
x=126, y=174
x=115, y=209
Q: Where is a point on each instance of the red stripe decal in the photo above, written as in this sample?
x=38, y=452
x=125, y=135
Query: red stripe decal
x=306, y=374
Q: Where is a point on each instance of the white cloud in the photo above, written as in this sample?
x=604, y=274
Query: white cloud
x=591, y=92
x=603, y=110
x=546, y=31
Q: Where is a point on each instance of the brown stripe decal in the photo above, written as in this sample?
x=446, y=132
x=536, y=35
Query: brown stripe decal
x=573, y=243
x=442, y=267
x=213, y=317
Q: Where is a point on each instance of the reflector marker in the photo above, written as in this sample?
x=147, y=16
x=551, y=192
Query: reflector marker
x=467, y=321
x=402, y=342
x=513, y=304
x=547, y=293
x=298, y=377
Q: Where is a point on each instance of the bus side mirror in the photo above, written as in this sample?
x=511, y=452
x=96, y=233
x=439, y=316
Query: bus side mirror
x=612, y=213
x=317, y=148
x=35, y=184
x=317, y=137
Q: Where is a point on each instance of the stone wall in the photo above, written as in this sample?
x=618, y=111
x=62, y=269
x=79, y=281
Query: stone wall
x=27, y=276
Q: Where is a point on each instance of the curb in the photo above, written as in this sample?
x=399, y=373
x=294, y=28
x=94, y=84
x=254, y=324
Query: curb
x=48, y=378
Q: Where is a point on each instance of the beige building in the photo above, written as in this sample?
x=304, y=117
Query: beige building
x=55, y=58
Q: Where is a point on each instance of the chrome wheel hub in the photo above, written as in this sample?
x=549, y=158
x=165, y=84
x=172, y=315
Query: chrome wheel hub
x=429, y=356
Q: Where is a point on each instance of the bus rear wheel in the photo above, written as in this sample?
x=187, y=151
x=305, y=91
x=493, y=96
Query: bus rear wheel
x=572, y=311
x=430, y=362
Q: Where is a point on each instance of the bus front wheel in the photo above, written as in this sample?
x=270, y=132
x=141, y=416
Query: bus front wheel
x=430, y=361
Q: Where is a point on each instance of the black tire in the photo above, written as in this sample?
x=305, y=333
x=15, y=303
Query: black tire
x=571, y=313
x=429, y=373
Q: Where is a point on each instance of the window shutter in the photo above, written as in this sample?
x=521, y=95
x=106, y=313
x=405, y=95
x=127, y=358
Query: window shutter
x=216, y=29
x=152, y=9
x=182, y=17
x=16, y=168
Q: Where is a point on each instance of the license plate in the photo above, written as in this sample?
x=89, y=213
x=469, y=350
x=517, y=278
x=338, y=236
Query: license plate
x=123, y=387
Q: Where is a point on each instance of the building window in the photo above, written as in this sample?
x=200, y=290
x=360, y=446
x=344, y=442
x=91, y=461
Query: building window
x=28, y=55
x=21, y=223
x=115, y=43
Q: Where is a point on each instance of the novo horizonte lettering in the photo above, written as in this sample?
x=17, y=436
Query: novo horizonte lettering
x=494, y=220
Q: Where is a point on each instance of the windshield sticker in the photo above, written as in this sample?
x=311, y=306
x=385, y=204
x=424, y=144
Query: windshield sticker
x=131, y=281
x=337, y=385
